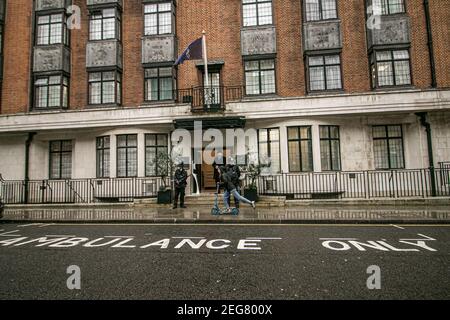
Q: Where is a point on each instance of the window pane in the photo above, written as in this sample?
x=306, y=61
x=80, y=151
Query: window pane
x=41, y=97
x=402, y=54
x=66, y=165
x=109, y=28
x=384, y=55
x=95, y=29
x=317, y=78
x=325, y=156
x=150, y=165
x=305, y=132
x=379, y=132
x=166, y=88
x=108, y=92
x=335, y=155
x=54, y=96
x=267, y=82
x=121, y=141
x=151, y=24
x=402, y=73
x=294, y=156
x=132, y=162
x=152, y=89
x=165, y=23
x=394, y=131
x=95, y=93
x=263, y=134
x=315, y=61
x=251, y=65
x=55, y=162
x=334, y=77
x=385, y=74
x=132, y=140
x=332, y=59
x=267, y=64
x=381, y=154
x=43, y=34
x=329, y=9
x=293, y=133
x=265, y=13
x=252, y=82
x=312, y=10
x=121, y=162
x=396, y=153
x=249, y=15
x=306, y=152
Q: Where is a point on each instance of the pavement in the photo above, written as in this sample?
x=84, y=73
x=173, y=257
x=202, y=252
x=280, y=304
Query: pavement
x=224, y=262
x=331, y=213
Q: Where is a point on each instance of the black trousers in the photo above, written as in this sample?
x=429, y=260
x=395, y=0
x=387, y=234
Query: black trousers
x=179, y=193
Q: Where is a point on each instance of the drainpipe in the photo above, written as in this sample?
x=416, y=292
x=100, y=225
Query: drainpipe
x=430, y=43
x=423, y=121
x=27, y=163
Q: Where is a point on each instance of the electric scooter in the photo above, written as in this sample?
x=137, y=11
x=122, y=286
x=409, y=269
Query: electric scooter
x=216, y=211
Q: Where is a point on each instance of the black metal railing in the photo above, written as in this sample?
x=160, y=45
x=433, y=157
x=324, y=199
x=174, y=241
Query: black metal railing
x=355, y=185
x=395, y=184
x=209, y=99
x=79, y=190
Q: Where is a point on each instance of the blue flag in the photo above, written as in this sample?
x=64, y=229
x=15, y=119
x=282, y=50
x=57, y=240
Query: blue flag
x=193, y=51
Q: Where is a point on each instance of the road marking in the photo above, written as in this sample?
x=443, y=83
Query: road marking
x=398, y=227
x=422, y=235
x=258, y=238
x=248, y=224
x=29, y=225
x=188, y=237
x=46, y=225
x=119, y=236
x=6, y=234
x=61, y=235
x=340, y=239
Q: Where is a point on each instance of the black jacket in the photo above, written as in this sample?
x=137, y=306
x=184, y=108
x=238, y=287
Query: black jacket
x=180, y=178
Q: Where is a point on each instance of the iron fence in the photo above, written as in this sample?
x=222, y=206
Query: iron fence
x=355, y=185
x=325, y=185
x=79, y=190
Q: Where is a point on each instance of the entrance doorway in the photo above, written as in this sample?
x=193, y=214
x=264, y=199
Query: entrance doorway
x=205, y=172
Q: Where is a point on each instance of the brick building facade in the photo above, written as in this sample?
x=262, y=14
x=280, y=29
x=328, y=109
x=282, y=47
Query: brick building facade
x=325, y=90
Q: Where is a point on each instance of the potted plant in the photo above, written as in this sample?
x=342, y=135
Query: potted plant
x=254, y=171
x=251, y=190
x=163, y=165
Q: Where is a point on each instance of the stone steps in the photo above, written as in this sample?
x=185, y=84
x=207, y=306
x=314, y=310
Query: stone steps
x=208, y=200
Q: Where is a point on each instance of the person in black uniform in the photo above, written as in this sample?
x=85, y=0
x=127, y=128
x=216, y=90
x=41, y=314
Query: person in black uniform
x=219, y=161
x=180, y=181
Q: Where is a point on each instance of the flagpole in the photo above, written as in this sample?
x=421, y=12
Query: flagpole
x=205, y=61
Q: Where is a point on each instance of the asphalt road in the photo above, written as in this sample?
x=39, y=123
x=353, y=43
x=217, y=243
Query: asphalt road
x=224, y=261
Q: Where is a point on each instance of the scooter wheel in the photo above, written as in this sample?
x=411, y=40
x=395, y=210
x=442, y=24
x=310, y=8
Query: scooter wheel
x=235, y=212
x=215, y=212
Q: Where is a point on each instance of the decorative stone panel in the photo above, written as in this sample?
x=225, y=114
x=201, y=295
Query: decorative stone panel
x=257, y=41
x=52, y=4
x=103, y=2
x=105, y=53
x=392, y=30
x=322, y=35
x=158, y=49
x=51, y=58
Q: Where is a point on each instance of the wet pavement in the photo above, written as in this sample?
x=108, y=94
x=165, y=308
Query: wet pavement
x=201, y=214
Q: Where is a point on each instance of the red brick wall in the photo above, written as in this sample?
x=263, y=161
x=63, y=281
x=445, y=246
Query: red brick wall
x=290, y=65
x=78, y=77
x=16, y=55
x=440, y=19
x=222, y=21
x=355, y=63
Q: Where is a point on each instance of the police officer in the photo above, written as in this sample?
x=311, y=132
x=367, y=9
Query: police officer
x=180, y=181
